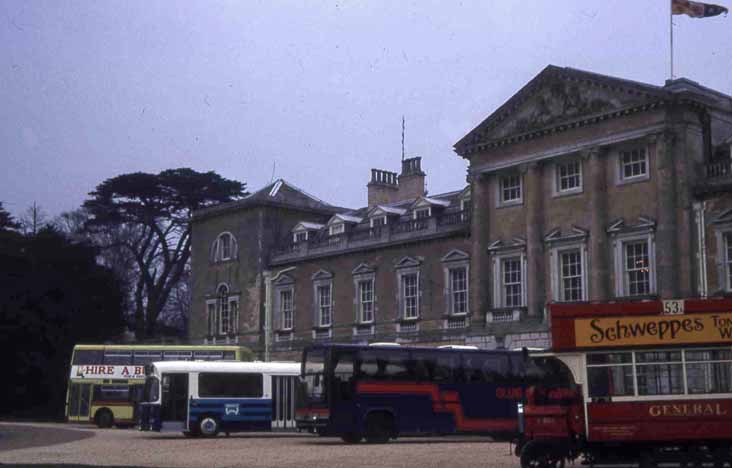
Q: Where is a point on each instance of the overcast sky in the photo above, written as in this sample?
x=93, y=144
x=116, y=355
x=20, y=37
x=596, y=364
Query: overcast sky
x=314, y=90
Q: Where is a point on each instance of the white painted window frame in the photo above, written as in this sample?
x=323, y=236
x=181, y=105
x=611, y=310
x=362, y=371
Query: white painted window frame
x=211, y=317
x=619, y=165
x=280, y=304
x=618, y=246
x=217, y=249
x=420, y=209
x=498, y=258
x=337, y=228
x=558, y=192
x=366, y=279
x=297, y=233
x=401, y=275
x=464, y=266
x=500, y=201
x=319, y=306
x=723, y=263
x=555, y=254
x=373, y=220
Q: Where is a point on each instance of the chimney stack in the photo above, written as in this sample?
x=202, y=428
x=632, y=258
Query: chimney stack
x=411, y=180
x=383, y=188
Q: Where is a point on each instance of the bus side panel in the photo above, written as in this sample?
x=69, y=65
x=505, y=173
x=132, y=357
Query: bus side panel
x=445, y=409
x=485, y=407
x=234, y=414
x=660, y=420
x=413, y=412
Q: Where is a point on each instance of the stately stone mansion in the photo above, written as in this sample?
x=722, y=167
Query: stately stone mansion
x=581, y=187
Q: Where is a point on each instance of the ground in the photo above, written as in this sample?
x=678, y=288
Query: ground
x=67, y=446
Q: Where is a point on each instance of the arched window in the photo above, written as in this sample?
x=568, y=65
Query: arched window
x=223, y=298
x=224, y=248
x=223, y=312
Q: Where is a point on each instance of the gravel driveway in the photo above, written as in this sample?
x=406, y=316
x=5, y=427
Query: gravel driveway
x=54, y=446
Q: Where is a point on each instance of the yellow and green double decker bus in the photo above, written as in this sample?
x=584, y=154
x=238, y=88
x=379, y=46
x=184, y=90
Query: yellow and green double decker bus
x=106, y=381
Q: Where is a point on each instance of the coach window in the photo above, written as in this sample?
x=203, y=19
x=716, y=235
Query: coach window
x=229, y=385
x=492, y=368
x=343, y=373
x=88, y=356
x=146, y=357
x=709, y=371
x=610, y=374
x=659, y=373
x=118, y=358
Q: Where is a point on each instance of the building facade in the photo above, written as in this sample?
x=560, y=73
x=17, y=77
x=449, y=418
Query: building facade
x=582, y=187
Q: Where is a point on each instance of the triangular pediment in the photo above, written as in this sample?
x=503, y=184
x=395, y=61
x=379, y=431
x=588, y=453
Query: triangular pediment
x=559, y=96
x=283, y=279
x=455, y=255
x=322, y=275
x=408, y=262
x=363, y=269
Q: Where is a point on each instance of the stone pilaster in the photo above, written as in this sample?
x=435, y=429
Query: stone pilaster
x=535, y=268
x=599, y=248
x=667, y=254
x=480, y=281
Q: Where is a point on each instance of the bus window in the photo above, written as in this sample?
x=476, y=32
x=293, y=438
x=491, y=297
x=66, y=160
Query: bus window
x=221, y=385
x=386, y=365
x=610, y=374
x=313, y=374
x=445, y=367
x=709, y=370
x=118, y=358
x=177, y=356
x=343, y=374
x=152, y=389
x=659, y=372
x=84, y=357
x=441, y=367
x=112, y=393
x=208, y=355
x=146, y=357
x=229, y=356
x=485, y=367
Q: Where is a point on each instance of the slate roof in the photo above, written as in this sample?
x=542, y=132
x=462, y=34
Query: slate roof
x=279, y=193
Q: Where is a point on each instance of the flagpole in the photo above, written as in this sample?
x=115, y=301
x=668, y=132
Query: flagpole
x=671, y=35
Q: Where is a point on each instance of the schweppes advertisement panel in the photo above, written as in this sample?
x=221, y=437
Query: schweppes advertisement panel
x=654, y=330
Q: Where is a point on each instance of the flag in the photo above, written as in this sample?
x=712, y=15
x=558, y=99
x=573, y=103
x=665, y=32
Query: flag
x=696, y=9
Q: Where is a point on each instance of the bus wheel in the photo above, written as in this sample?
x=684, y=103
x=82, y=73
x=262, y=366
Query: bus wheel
x=537, y=454
x=379, y=428
x=351, y=438
x=104, y=418
x=209, y=426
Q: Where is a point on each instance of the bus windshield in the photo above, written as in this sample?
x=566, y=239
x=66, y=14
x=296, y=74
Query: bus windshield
x=313, y=372
x=151, y=392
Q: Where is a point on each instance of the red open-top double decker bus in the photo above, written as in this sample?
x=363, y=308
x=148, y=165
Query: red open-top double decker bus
x=652, y=382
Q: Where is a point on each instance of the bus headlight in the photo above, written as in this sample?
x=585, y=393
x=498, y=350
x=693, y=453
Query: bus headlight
x=520, y=410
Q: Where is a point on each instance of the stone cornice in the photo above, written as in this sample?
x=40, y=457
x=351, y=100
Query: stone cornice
x=567, y=149
x=473, y=148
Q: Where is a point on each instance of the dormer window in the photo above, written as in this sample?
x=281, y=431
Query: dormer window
x=300, y=236
x=224, y=248
x=378, y=221
x=422, y=213
x=336, y=229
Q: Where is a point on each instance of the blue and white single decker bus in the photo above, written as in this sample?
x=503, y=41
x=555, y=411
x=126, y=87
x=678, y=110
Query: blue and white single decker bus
x=204, y=398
